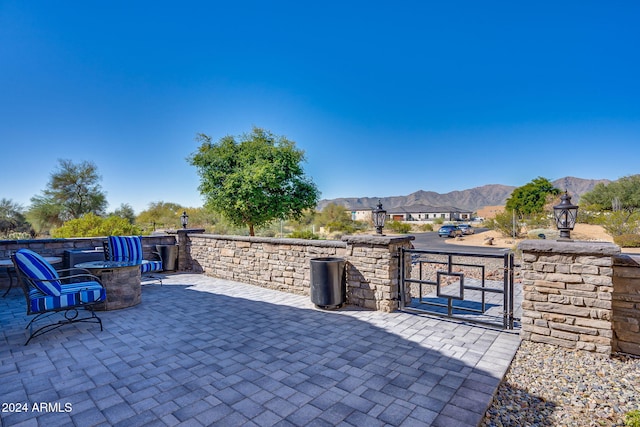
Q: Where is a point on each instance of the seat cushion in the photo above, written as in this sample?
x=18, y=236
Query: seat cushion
x=42, y=274
x=71, y=295
x=150, y=266
x=125, y=248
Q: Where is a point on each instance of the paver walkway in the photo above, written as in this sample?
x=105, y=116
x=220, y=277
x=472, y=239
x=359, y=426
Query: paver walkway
x=204, y=351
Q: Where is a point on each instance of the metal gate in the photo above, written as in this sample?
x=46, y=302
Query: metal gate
x=471, y=287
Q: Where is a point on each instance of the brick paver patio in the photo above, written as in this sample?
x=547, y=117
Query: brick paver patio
x=204, y=351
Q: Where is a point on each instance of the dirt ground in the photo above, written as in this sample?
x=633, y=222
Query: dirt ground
x=581, y=232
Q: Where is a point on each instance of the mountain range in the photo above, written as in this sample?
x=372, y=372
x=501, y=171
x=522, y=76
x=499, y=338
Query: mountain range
x=471, y=199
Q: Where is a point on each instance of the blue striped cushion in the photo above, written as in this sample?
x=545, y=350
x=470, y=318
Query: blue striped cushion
x=125, y=248
x=37, y=269
x=72, y=295
x=150, y=266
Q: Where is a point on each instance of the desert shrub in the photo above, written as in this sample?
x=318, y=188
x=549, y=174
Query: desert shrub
x=541, y=220
x=627, y=240
x=17, y=235
x=91, y=225
x=438, y=221
x=304, y=234
x=620, y=223
x=589, y=216
x=426, y=227
x=503, y=223
x=632, y=418
x=399, y=227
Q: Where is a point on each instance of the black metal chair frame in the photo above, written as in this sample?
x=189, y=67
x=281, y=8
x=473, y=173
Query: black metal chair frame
x=70, y=313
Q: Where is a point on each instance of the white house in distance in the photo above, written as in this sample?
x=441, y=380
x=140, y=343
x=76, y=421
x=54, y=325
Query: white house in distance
x=361, y=214
x=417, y=213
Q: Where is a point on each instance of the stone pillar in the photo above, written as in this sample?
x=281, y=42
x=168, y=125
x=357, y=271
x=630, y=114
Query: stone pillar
x=185, y=262
x=373, y=270
x=626, y=304
x=567, y=287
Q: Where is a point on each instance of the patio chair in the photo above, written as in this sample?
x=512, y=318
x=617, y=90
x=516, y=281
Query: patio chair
x=129, y=248
x=47, y=292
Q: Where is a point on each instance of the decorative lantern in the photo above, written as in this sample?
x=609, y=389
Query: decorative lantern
x=184, y=219
x=379, y=216
x=565, y=214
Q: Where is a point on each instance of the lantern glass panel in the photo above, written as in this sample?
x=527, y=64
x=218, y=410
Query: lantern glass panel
x=379, y=218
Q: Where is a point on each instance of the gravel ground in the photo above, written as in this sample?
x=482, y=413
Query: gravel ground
x=550, y=386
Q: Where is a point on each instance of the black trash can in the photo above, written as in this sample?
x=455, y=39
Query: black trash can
x=328, y=286
x=169, y=255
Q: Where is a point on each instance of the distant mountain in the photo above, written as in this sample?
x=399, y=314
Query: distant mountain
x=472, y=199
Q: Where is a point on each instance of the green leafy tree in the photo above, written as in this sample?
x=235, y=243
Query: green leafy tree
x=620, y=195
x=92, y=225
x=254, y=180
x=125, y=211
x=12, y=219
x=305, y=221
x=335, y=217
x=165, y=215
x=73, y=190
x=44, y=213
x=620, y=222
x=532, y=197
x=617, y=205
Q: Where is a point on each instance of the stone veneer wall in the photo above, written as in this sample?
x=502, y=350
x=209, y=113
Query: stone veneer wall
x=56, y=247
x=626, y=303
x=373, y=271
x=372, y=263
x=568, y=288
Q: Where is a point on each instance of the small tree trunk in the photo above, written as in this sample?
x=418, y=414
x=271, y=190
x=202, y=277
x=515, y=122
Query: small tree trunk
x=251, y=232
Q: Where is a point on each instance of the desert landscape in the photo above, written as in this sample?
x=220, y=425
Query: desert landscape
x=588, y=232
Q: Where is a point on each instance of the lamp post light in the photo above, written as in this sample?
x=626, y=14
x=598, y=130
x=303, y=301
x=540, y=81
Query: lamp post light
x=378, y=215
x=565, y=215
x=184, y=219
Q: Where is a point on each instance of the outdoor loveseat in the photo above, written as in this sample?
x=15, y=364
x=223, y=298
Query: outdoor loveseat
x=129, y=248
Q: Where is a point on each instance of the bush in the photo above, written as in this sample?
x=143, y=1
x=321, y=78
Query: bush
x=503, y=222
x=399, y=227
x=304, y=234
x=426, y=227
x=632, y=418
x=627, y=240
x=17, y=235
x=438, y=221
x=620, y=223
x=92, y=225
x=542, y=220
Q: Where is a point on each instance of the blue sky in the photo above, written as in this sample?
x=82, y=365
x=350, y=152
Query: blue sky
x=386, y=98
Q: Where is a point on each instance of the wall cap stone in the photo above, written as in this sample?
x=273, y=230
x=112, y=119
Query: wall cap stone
x=627, y=260
x=190, y=230
x=51, y=240
x=280, y=241
x=574, y=247
x=379, y=240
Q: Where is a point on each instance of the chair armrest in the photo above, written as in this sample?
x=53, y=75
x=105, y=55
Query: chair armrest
x=93, y=278
x=66, y=270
